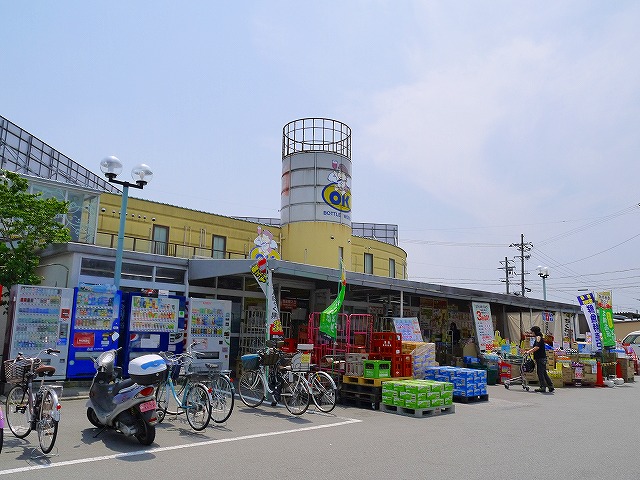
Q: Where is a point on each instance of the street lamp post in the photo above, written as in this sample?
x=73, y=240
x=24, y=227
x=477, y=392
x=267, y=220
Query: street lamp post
x=142, y=174
x=543, y=272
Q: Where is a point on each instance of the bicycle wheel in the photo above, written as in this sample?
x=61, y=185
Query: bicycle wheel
x=323, y=391
x=222, y=398
x=163, y=397
x=296, y=394
x=197, y=406
x=18, y=416
x=47, y=426
x=251, y=388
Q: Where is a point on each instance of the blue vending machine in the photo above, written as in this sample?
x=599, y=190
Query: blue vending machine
x=154, y=324
x=96, y=316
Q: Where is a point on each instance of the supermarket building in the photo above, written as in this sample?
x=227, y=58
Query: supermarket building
x=198, y=254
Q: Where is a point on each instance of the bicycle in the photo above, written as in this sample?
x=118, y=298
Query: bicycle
x=323, y=389
x=222, y=392
x=1, y=428
x=266, y=373
x=193, y=398
x=28, y=409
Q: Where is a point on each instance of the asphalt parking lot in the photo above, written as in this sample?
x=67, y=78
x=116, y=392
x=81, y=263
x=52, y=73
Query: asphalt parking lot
x=581, y=432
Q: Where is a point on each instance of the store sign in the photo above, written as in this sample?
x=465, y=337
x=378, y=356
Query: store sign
x=288, y=303
x=483, y=323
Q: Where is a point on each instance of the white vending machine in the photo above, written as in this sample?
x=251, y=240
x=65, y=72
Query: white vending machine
x=209, y=323
x=39, y=318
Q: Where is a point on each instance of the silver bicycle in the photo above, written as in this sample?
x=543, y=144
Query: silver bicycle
x=29, y=408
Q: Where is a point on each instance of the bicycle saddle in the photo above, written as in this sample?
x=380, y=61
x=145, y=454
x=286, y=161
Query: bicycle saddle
x=45, y=370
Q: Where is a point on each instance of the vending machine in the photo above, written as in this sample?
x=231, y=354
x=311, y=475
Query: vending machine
x=154, y=324
x=96, y=317
x=40, y=318
x=209, y=323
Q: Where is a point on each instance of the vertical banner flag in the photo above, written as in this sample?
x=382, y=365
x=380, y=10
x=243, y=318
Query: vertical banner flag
x=588, y=305
x=483, y=324
x=329, y=317
x=605, y=313
x=262, y=274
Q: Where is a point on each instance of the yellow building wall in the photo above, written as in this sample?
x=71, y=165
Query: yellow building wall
x=191, y=233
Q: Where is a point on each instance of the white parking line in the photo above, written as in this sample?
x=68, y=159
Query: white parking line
x=175, y=447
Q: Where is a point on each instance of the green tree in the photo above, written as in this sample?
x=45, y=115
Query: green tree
x=28, y=223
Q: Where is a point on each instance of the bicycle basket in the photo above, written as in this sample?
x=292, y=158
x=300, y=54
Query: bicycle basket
x=15, y=370
x=270, y=357
x=250, y=361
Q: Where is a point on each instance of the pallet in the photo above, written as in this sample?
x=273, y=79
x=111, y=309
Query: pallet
x=372, y=382
x=471, y=399
x=418, y=412
x=360, y=399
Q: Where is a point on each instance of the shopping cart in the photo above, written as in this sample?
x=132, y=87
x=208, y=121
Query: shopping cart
x=527, y=365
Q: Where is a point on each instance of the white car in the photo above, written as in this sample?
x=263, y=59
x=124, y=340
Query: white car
x=633, y=339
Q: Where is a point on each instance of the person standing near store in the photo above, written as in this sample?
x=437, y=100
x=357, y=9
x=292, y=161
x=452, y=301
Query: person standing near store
x=540, y=356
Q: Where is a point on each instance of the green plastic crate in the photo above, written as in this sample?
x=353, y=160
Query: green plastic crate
x=377, y=368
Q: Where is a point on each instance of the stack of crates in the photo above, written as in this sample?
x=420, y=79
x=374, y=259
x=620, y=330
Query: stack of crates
x=354, y=364
x=388, y=346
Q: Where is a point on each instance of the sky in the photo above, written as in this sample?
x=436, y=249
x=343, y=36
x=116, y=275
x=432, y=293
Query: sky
x=473, y=122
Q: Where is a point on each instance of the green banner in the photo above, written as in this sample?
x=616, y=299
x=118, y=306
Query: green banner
x=605, y=314
x=329, y=317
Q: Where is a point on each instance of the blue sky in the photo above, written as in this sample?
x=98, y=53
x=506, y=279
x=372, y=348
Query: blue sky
x=473, y=122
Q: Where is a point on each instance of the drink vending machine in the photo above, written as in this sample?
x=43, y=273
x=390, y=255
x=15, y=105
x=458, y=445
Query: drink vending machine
x=96, y=316
x=209, y=322
x=154, y=324
x=39, y=318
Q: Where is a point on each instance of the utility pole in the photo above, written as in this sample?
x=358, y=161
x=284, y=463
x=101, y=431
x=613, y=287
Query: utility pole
x=508, y=270
x=523, y=248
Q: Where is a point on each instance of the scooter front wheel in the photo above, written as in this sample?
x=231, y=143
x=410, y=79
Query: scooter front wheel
x=93, y=418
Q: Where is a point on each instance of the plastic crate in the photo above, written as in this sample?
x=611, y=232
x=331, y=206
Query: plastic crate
x=376, y=369
x=386, y=343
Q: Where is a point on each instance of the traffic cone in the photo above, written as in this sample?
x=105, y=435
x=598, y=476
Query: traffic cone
x=599, y=379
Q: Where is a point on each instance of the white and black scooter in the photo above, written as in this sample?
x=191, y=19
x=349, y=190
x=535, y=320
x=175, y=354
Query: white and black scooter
x=126, y=405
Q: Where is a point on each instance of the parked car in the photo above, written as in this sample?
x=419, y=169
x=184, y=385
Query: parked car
x=633, y=340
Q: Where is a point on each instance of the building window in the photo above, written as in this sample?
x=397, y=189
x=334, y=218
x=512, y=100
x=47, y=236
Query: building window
x=341, y=253
x=219, y=246
x=392, y=268
x=368, y=263
x=160, y=239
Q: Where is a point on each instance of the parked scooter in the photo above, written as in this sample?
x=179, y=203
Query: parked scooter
x=126, y=405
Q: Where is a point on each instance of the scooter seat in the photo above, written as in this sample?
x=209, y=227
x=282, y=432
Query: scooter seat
x=122, y=385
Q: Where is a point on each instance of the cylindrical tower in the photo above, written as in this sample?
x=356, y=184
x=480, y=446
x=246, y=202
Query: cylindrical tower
x=315, y=200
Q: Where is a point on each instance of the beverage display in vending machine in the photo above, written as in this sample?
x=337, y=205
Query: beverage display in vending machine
x=154, y=324
x=96, y=316
x=209, y=322
x=39, y=318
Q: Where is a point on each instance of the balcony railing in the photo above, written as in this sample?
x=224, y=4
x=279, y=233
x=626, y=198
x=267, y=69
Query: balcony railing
x=144, y=245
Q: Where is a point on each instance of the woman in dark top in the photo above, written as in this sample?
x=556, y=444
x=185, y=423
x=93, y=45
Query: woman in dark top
x=540, y=357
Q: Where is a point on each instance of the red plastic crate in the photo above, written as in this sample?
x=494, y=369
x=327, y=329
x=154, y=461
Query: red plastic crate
x=386, y=343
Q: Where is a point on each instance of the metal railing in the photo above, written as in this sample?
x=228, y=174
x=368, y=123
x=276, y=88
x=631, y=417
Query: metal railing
x=145, y=245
